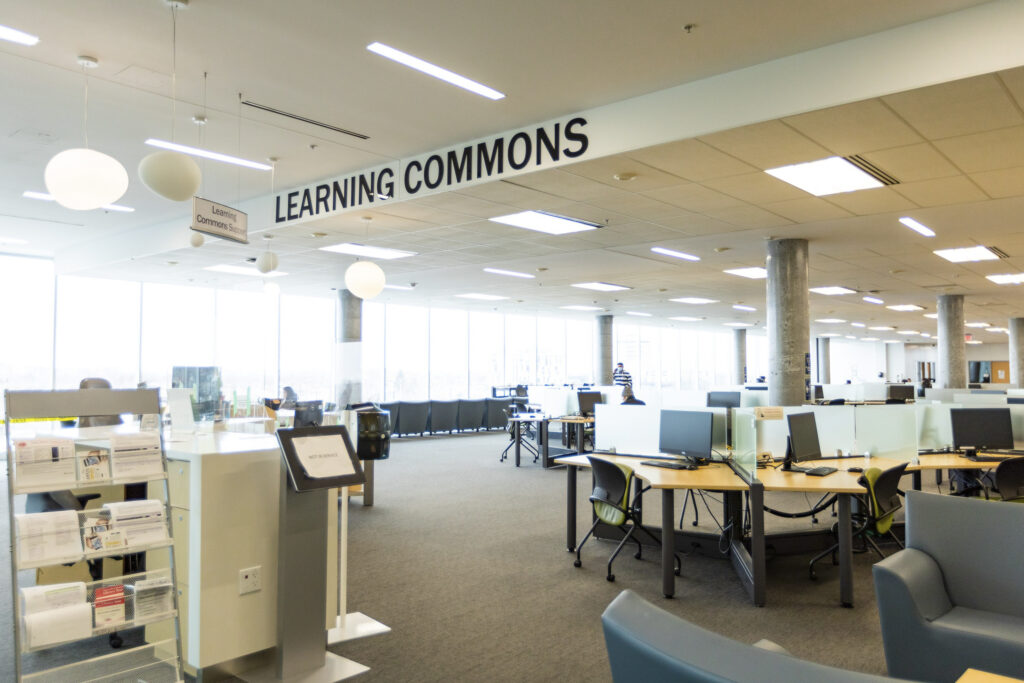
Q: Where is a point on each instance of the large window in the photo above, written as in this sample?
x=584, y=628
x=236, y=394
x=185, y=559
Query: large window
x=177, y=329
x=550, y=350
x=26, y=348
x=374, y=342
x=580, y=343
x=97, y=331
x=449, y=354
x=307, y=348
x=246, y=345
x=407, y=353
x=486, y=352
x=520, y=349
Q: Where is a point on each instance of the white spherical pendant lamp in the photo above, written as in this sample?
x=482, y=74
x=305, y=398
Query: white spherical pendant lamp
x=84, y=179
x=266, y=262
x=171, y=175
x=196, y=239
x=365, y=279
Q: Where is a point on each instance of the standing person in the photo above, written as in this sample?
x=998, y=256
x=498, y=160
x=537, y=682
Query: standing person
x=628, y=399
x=621, y=378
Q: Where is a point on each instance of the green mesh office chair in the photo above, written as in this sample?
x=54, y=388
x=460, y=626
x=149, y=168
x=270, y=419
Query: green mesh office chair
x=877, y=508
x=612, y=505
x=1010, y=480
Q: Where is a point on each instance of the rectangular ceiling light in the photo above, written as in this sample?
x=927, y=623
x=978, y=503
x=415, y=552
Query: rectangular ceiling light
x=738, y=324
x=977, y=325
x=1006, y=278
x=686, y=319
x=43, y=196
x=869, y=338
x=639, y=314
x=754, y=273
x=825, y=176
x=694, y=300
x=601, y=286
x=742, y=307
x=907, y=332
x=367, y=251
x=832, y=291
x=829, y=334
x=905, y=307
x=12, y=240
x=582, y=308
x=933, y=316
x=857, y=324
x=880, y=328
x=243, y=270
x=404, y=288
x=973, y=341
x=434, y=70
x=15, y=36
x=917, y=227
x=207, y=154
x=542, y=221
x=510, y=273
x=482, y=297
x=830, y=320
x=893, y=341
x=675, y=254
x=873, y=300
x=967, y=254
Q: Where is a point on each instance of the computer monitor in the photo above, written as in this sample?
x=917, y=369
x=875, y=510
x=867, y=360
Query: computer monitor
x=981, y=428
x=904, y=391
x=723, y=399
x=686, y=433
x=308, y=414
x=819, y=393
x=803, y=441
x=587, y=400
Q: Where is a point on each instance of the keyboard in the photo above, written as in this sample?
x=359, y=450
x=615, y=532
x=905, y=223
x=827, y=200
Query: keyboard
x=669, y=464
x=987, y=458
x=1004, y=451
x=820, y=471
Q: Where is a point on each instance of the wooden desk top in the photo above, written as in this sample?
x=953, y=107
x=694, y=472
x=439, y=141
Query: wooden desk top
x=575, y=419
x=976, y=676
x=714, y=477
x=953, y=461
x=777, y=479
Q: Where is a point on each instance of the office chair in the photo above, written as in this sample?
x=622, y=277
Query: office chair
x=612, y=506
x=97, y=420
x=1010, y=480
x=877, y=508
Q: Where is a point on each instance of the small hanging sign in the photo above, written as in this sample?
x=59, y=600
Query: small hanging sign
x=219, y=220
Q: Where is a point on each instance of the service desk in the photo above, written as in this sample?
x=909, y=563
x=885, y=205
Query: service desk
x=224, y=496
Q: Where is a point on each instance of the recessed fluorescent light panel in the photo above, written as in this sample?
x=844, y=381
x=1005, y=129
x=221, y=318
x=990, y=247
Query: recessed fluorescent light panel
x=893, y=341
x=582, y=308
x=601, y=286
x=998, y=329
x=482, y=297
x=542, y=221
x=905, y=307
x=857, y=324
x=675, y=254
x=850, y=336
x=908, y=332
x=243, y=270
x=825, y=176
x=829, y=334
x=977, y=325
x=869, y=339
x=639, y=314
x=873, y=300
x=43, y=196
x=917, y=227
x=12, y=240
x=368, y=252
x=738, y=324
x=510, y=273
x=741, y=307
x=832, y=291
x=830, y=320
x=880, y=328
x=973, y=341
x=434, y=70
x=933, y=316
x=1007, y=278
x=207, y=154
x=694, y=300
x=686, y=319
x=15, y=36
x=967, y=254
x=404, y=288
x=926, y=335
x=754, y=273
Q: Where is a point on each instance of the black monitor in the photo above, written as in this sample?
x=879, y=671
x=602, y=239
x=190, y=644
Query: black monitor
x=981, y=428
x=686, y=432
x=587, y=400
x=723, y=399
x=904, y=391
x=819, y=393
x=803, y=439
x=308, y=414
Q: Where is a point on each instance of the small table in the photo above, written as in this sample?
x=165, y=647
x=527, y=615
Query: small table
x=517, y=433
x=581, y=422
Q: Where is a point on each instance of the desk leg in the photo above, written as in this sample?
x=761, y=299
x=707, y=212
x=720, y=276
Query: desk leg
x=519, y=439
x=917, y=479
x=579, y=437
x=545, y=452
x=570, y=508
x=845, y=552
x=668, y=525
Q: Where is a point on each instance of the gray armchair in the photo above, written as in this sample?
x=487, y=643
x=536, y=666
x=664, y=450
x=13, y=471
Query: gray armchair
x=953, y=600
x=646, y=644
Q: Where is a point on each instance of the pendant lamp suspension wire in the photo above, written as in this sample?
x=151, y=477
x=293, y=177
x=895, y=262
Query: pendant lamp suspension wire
x=85, y=109
x=238, y=150
x=202, y=160
x=174, y=69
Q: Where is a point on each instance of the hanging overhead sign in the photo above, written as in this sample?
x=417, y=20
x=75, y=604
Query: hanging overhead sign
x=219, y=220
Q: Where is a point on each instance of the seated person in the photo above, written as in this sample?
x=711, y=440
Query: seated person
x=290, y=397
x=628, y=399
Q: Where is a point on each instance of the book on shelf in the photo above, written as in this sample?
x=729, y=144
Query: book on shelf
x=44, y=462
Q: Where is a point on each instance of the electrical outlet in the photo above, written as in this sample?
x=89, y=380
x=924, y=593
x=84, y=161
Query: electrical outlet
x=250, y=580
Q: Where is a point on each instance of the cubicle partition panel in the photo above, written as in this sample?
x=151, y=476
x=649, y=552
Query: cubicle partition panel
x=744, y=440
x=968, y=399
x=554, y=400
x=443, y=416
x=887, y=431
x=934, y=429
x=471, y=414
x=627, y=429
x=836, y=429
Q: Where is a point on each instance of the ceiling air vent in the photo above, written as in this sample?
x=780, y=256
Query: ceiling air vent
x=297, y=117
x=998, y=252
x=872, y=170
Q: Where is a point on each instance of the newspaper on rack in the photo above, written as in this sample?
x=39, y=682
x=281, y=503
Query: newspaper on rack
x=136, y=456
x=141, y=521
x=44, y=463
x=60, y=625
x=152, y=598
x=35, y=599
x=48, y=537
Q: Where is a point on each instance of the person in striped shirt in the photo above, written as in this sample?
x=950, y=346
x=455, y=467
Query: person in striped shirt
x=621, y=378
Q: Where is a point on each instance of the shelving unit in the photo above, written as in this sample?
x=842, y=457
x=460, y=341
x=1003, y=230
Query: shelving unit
x=67, y=464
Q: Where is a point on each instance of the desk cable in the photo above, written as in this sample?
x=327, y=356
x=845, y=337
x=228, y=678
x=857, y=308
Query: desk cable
x=822, y=505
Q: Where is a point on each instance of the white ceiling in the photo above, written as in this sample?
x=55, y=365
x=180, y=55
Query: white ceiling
x=956, y=148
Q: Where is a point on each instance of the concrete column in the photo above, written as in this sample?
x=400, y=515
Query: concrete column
x=739, y=341
x=604, y=349
x=824, y=360
x=1016, y=328
x=348, y=377
x=952, y=351
x=789, y=333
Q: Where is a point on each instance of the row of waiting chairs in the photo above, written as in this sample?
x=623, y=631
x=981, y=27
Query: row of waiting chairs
x=435, y=417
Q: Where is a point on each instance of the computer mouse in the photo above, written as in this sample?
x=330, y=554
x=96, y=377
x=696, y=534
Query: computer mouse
x=854, y=469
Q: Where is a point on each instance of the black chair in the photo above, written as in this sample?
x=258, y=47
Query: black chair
x=613, y=506
x=443, y=415
x=877, y=507
x=392, y=408
x=471, y=414
x=1010, y=480
x=496, y=416
x=413, y=417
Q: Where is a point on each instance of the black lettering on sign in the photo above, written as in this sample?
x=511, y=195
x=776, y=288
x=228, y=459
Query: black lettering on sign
x=493, y=162
x=543, y=141
x=277, y=210
x=434, y=161
x=292, y=205
x=307, y=203
x=409, y=187
x=366, y=187
x=323, y=195
x=458, y=165
x=573, y=136
x=386, y=189
x=340, y=192
x=527, y=148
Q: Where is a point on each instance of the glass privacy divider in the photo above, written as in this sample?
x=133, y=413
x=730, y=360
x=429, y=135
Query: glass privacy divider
x=69, y=522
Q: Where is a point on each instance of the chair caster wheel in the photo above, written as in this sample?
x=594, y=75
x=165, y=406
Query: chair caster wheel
x=115, y=640
x=679, y=572
x=695, y=522
x=577, y=563
x=814, y=577
x=610, y=577
x=638, y=556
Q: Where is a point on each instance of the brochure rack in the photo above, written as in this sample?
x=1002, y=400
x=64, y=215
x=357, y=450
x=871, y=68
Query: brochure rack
x=64, y=465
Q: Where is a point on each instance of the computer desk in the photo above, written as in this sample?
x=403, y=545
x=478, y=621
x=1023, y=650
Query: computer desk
x=950, y=461
x=581, y=422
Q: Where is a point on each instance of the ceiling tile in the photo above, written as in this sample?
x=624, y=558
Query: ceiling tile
x=987, y=151
x=867, y=202
x=692, y=160
x=693, y=197
x=807, y=210
x=960, y=107
x=913, y=162
x=855, y=128
x=767, y=145
x=748, y=217
x=1007, y=182
x=941, y=191
x=757, y=188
